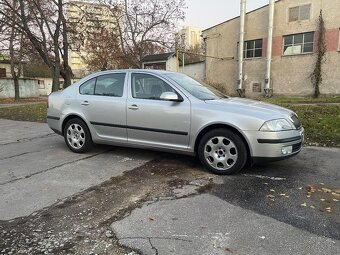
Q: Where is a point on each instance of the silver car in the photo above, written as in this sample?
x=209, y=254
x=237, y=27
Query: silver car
x=173, y=112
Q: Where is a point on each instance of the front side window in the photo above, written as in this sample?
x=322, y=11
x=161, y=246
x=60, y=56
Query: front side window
x=252, y=49
x=299, y=13
x=110, y=85
x=146, y=86
x=298, y=44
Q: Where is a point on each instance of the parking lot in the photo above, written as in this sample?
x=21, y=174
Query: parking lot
x=120, y=201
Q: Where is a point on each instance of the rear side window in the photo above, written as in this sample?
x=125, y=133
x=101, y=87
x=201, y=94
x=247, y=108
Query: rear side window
x=104, y=85
x=110, y=85
x=87, y=88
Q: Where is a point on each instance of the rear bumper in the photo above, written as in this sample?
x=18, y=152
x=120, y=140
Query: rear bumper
x=54, y=124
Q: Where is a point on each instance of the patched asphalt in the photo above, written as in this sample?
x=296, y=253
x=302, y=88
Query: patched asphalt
x=128, y=201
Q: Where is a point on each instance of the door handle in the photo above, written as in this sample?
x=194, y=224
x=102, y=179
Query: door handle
x=133, y=107
x=85, y=103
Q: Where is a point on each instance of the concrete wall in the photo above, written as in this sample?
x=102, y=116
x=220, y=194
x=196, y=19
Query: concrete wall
x=196, y=70
x=27, y=88
x=290, y=74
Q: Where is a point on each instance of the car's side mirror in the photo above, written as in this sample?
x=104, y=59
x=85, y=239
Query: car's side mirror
x=170, y=96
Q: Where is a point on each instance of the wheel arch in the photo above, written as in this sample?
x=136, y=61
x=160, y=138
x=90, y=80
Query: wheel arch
x=225, y=126
x=72, y=116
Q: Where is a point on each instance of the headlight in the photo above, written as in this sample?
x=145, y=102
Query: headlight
x=276, y=125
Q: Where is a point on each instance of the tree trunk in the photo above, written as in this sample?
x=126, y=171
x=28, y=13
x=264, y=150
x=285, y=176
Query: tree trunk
x=67, y=75
x=56, y=77
x=16, y=88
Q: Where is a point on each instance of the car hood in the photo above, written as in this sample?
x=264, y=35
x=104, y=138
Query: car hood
x=250, y=107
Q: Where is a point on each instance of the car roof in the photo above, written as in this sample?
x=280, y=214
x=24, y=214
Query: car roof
x=135, y=70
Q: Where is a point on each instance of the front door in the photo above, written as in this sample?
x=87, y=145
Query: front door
x=152, y=121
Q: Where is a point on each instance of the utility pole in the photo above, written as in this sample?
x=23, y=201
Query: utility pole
x=267, y=89
x=243, y=9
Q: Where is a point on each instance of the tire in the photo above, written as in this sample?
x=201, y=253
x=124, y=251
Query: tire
x=77, y=136
x=222, y=151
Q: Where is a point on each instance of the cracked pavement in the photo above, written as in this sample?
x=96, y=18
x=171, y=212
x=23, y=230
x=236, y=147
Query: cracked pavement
x=128, y=201
x=37, y=170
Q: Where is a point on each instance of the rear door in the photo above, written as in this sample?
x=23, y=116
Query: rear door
x=152, y=121
x=103, y=102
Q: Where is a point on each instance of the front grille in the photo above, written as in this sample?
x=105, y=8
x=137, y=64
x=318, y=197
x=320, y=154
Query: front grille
x=296, y=121
x=297, y=147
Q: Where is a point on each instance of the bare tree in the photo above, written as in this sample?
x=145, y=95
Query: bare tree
x=44, y=24
x=145, y=26
x=11, y=42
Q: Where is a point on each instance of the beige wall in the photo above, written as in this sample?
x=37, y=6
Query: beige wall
x=290, y=74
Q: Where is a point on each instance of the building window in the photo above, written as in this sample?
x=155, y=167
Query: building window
x=299, y=13
x=2, y=72
x=41, y=84
x=252, y=49
x=298, y=44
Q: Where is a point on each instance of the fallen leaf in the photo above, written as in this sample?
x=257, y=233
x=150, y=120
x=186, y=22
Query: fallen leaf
x=283, y=194
x=272, y=190
x=323, y=200
x=270, y=196
x=304, y=204
x=312, y=206
x=326, y=190
x=335, y=200
x=228, y=250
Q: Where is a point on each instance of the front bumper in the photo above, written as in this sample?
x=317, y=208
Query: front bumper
x=272, y=146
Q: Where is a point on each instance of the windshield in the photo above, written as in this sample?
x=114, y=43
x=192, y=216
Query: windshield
x=198, y=89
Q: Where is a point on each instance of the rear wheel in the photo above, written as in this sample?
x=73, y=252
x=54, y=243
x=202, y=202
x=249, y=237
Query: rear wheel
x=77, y=136
x=222, y=151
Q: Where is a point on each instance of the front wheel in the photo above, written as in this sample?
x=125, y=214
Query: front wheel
x=77, y=136
x=222, y=151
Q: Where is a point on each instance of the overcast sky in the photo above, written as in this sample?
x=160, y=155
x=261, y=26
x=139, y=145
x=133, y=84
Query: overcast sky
x=207, y=13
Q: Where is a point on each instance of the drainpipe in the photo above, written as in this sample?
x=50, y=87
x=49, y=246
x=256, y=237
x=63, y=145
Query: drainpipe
x=267, y=89
x=240, y=88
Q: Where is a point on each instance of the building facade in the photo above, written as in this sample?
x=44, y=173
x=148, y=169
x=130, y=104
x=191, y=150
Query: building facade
x=163, y=61
x=84, y=17
x=294, y=49
x=190, y=37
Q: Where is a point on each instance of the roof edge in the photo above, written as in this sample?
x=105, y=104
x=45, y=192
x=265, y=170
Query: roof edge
x=238, y=16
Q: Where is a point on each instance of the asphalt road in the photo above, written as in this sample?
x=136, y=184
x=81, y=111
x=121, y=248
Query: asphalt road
x=287, y=207
x=116, y=201
x=37, y=170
